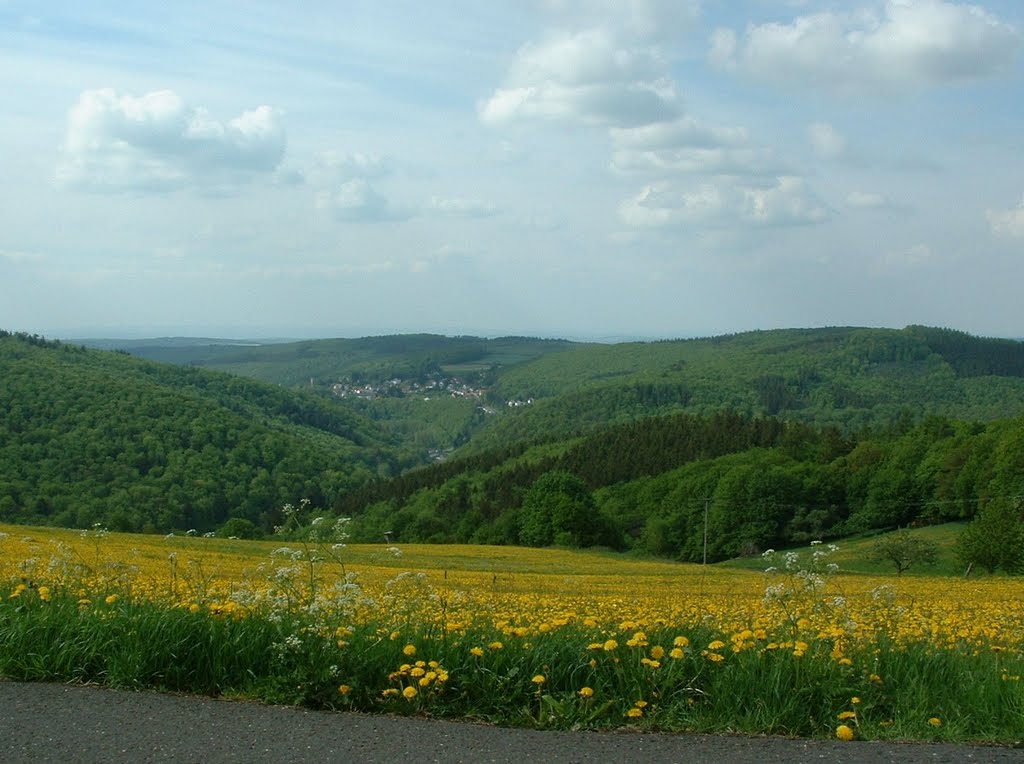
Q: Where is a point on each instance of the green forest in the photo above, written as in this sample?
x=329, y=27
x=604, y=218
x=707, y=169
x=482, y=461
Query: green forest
x=99, y=437
x=752, y=441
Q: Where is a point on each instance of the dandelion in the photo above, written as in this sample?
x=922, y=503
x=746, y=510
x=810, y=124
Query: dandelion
x=844, y=732
x=844, y=715
x=477, y=651
x=610, y=645
x=44, y=593
x=635, y=713
x=409, y=693
x=657, y=652
x=716, y=645
x=935, y=721
x=496, y=646
x=344, y=689
x=677, y=653
x=111, y=599
x=586, y=692
x=681, y=641
x=409, y=650
x=539, y=679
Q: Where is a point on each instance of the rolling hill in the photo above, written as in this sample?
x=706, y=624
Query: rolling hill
x=88, y=436
x=763, y=438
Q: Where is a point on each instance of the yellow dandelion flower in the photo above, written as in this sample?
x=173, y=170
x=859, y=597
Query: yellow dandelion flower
x=424, y=681
x=111, y=599
x=855, y=700
x=477, y=651
x=390, y=692
x=496, y=646
x=681, y=642
x=344, y=689
x=409, y=693
x=44, y=593
x=409, y=650
x=716, y=645
x=935, y=721
x=844, y=715
x=677, y=653
x=539, y=679
x=635, y=713
x=586, y=692
x=657, y=652
x=844, y=732
x=610, y=645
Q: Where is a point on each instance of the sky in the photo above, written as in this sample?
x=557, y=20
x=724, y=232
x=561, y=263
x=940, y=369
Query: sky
x=586, y=169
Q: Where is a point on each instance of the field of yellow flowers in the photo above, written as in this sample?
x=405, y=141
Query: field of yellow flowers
x=545, y=638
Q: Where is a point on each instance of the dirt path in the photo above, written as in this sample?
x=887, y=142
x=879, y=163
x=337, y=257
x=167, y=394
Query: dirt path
x=60, y=723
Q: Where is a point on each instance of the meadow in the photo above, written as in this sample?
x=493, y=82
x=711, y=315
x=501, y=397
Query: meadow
x=538, y=637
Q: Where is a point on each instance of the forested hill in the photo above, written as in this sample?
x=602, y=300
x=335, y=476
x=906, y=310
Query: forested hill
x=846, y=377
x=88, y=436
x=487, y=393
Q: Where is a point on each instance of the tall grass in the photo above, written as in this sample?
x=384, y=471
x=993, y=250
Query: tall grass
x=800, y=657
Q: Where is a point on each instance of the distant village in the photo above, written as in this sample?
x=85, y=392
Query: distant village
x=451, y=387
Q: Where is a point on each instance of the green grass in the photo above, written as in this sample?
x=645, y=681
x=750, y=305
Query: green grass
x=854, y=554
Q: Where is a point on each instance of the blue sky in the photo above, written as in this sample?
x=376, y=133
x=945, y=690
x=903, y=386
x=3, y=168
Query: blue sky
x=555, y=167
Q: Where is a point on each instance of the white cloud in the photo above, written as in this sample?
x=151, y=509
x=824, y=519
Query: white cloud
x=900, y=259
x=16, y=256
x=722, y=54
x=1007, y=222
x=455, y=207
x=589, y=77
x=784, y=202
x=869, y=200
x=826, y=141
x=157, y=142
x=356, y=201
x=912, y=42
x=686, y=146
x=333, y=167
x=639, y=19
x=681, y=132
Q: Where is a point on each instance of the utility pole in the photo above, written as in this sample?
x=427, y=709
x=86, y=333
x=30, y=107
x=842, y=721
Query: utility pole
x=706, y=502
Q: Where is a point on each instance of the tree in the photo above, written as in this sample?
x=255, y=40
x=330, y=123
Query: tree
x=558, y=509
x=994, y=539
x=904, y=549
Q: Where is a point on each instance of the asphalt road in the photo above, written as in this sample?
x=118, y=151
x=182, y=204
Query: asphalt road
x=67, y=723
